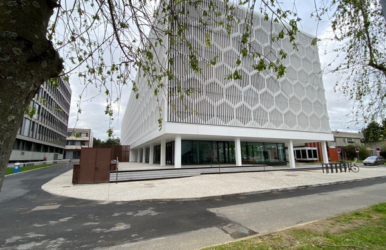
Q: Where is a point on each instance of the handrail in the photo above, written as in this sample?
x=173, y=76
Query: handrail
x=116, y=169
x=217, y=162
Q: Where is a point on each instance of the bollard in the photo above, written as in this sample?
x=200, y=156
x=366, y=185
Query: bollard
x=16, y=167
x=336, y=167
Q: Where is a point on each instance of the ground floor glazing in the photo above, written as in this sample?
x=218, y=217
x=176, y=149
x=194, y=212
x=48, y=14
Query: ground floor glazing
x=224, y=152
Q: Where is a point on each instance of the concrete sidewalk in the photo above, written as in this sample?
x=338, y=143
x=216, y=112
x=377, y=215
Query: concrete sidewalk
x=204, y=186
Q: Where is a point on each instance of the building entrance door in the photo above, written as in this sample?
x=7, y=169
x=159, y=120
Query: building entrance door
x=223, y=152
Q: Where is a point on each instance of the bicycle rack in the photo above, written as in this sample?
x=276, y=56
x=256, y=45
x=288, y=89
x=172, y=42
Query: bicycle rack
x=341, y=166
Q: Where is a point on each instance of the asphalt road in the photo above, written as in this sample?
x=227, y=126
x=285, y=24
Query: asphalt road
x=33, y=219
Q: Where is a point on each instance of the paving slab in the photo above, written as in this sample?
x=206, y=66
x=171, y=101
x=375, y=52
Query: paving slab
x=204, y=186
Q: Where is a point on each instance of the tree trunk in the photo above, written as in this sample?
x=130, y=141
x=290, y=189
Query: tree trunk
x=27, y=59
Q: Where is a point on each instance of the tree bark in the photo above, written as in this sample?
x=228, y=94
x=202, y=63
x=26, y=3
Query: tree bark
x=27, y=59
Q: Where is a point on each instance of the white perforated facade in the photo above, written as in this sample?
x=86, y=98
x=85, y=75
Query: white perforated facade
x=259, y=103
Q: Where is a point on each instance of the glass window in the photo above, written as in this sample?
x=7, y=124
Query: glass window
x=309, y=152
x=315, y=153
x=298, y=154
x=16, y=145
x=270, y=153
x=28, y=146
x=37, y=107
x=304, y=154
x=186, y=152
x=205, y=152
x=232, y=152
x=281, y=151
x=27, y=124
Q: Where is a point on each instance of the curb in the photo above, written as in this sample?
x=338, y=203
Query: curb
x=272, y=232
x=13, y=174
x=257, y=192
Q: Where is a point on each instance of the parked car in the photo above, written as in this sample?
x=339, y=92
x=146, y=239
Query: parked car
x=374, y=160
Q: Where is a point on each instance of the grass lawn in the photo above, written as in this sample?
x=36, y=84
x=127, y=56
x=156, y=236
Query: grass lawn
x=22, y=169
x=361, y=229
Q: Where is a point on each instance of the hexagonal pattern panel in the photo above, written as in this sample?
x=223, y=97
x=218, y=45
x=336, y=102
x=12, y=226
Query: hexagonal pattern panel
x=276, y=118
x=311, y=93
x=267, y=100
x=247, y=62
x=273, y=85
x=318, y=108
x=256, y=48
x=221, y=72
x=315, y=122
x=225, y=112
x=221, y=38
x=230, y=58
x=307, y=65
x=205, y=110
x=260, y=116
x=251, y=97
x=307, y=106
x=281, y=102
x=303, y=76
x=295, y=104
x=195, y=88
x=261, y=36
x=286, y=87
x=214, y=92
x=298, y=96
x=310, y=54
x=325, y=123
x=290, y=119
x=303, y=121
x=296, y=62
x=299, y=90
x=257, y=81
x=291, y=73
x=233, y=94
x=243, y=114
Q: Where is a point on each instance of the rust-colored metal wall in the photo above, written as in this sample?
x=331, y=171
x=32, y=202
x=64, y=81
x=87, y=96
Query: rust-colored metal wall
x=94, y=166
x=122, y=152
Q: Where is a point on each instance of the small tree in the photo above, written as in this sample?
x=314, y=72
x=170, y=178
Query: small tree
x=374, y=132
x=351, y=153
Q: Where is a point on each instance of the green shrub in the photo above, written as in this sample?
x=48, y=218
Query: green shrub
x=351, y=153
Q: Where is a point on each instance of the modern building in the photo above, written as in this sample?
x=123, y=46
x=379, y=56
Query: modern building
x=237, y=122
x=343, y=139
x=43, y=137
x=76, y=139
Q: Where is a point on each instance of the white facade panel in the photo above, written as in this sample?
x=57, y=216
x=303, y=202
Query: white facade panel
x=258, y=106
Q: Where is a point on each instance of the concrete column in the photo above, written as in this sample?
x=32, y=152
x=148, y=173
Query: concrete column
x=177, y=152
x=151, y=154
x=238, y=152
x=324, y=152
x=139, y=155
x=143, y=155
x=163, y=153
x=132, y=157
x=291, y=154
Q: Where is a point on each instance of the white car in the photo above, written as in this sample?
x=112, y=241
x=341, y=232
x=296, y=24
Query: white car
x=374, y=160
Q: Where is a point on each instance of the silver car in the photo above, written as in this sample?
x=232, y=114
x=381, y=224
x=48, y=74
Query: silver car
x=374, y=160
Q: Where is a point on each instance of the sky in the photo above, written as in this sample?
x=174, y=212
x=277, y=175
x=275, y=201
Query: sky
x=93, y=112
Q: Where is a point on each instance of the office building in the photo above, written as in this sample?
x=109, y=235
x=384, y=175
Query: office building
x=76, y=139
x=245, y=121
x=43, y=137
